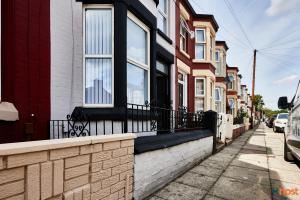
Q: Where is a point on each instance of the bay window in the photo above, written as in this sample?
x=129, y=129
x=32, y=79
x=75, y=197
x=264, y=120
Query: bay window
x=98, y=56
x=199, y=94
x=183, y=35
x=138, y=62
x=200, y=44
x=162, y=18
x=182, y=89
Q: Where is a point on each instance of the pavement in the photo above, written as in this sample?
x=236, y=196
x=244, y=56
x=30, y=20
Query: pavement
x=251, y=168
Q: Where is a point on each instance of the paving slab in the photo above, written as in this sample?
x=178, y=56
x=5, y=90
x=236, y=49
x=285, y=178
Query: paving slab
x=208, y=171
x=229, y=188
x=251, y=164
x=214, y=164
x=211, y=197
x=247, y=174
x=177, y=191
x=285, y=176
x=197, y=180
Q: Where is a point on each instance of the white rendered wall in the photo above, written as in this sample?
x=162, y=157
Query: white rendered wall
x=229, y=126
x=66, y=57
x=154, y=169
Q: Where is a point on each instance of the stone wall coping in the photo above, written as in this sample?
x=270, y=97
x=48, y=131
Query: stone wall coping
x=43, y=145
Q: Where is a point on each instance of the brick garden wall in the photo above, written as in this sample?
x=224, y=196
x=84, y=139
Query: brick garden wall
x=73, y=169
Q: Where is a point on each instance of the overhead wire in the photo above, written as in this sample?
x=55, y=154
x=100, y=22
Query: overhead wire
x=231, y=10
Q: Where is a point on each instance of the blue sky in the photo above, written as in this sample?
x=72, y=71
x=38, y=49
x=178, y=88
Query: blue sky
x=273, y=27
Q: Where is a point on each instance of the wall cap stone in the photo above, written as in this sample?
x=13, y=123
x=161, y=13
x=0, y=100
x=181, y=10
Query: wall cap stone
x=42, y=145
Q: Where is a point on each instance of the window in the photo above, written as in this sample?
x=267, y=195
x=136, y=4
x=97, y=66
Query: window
x=199, y=94
x=211, y=48
x=98, y=56
x=183, y=34
x=182, y=89
x=199, y=104
x=231, y=83
x=231, y=105
x=200, y=43
x=138, y=53
x=162, y=18
x=218, y=62
x=211, y=94
x=218, y=99
x=199, y=87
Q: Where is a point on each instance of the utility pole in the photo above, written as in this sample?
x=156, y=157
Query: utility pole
x=253, y=86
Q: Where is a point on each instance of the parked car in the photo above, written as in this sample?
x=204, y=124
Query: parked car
x=280, y=122
x=271, y=121
x=292, y=130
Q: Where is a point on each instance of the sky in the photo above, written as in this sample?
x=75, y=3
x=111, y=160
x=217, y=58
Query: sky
x=273, y=28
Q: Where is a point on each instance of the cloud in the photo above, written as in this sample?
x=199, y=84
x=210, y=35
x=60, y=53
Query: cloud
x=287, y=79
x=278, y=7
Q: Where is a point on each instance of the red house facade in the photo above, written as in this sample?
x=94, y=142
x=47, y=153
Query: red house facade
x=25, y=68
x=195, y=63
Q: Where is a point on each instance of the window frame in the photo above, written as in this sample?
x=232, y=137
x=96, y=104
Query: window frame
x=204, y=87
x=143, y=66
x=204, y=42
x=181, y=35
x=165, y=15
x=184, y=83
x=85, y=56
x=233, y=82
x=218, y=62
x=220, y=95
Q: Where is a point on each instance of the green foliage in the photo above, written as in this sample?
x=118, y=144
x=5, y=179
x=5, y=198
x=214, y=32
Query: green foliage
x=269, y=112
x=258, y=102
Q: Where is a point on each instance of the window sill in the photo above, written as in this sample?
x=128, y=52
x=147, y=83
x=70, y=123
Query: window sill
x=185, y=54
x=164, y=36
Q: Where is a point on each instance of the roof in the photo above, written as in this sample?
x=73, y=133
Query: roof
x=209, y=17
x=223, y=43
x=232, y=68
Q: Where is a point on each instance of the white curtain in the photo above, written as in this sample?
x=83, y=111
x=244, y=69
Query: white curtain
x=98, y=56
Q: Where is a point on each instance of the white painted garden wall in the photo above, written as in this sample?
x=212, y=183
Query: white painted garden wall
x=156, y=168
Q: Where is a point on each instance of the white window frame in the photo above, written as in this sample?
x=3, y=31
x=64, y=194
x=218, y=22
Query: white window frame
x=220, y=95
x=135, y=62
x=166, y=16
x=233, y=82
x=211, y=48
x=184, y=83
x=204, y=87
x=97, y=6
x=204, y=42
x=218, y=62
x=182, y=35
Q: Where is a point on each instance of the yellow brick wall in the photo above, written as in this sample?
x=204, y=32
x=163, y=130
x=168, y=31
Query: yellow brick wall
x=87, y=168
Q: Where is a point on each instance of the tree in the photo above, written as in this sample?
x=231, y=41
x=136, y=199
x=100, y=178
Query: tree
x=258, y=102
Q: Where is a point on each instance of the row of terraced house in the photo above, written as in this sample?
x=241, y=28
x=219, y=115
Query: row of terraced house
x=94, y=59
x=145, y=79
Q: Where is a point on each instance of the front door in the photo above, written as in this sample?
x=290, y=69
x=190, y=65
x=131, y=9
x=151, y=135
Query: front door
x=163, y=98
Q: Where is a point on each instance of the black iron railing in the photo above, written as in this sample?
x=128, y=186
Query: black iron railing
x=136, y=119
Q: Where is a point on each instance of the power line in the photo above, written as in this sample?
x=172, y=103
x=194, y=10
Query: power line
x=231, y=10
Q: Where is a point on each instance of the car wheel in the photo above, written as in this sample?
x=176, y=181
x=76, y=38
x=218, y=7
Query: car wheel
x=287, y=153
x=274, y=129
